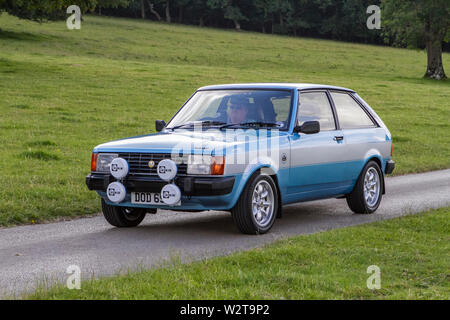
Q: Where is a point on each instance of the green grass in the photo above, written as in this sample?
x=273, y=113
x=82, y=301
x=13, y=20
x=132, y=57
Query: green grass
x=412, y=253
x=65, y=91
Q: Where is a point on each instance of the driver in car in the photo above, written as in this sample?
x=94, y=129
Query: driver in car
x=238, y=110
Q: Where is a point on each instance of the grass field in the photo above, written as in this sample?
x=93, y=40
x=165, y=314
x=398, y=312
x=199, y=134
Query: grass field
x=411, y=252
x=65, y=91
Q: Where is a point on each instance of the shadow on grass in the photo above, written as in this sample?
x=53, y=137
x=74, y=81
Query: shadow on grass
x=8, y=66
x=39, y=155
x=22, y=36
x=421, y=80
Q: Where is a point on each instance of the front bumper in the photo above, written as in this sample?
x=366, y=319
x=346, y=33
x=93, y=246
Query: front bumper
x=189, y=186
x=390, y=166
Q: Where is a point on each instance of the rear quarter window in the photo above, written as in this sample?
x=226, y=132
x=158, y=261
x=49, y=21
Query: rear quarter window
x=350, y=113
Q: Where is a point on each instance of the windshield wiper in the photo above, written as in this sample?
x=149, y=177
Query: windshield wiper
x=250, y=124
x=202, y=123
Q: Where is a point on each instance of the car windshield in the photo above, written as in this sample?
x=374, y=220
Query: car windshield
x=235, y=108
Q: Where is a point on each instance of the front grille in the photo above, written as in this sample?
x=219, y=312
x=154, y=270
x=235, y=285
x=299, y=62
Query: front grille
x=138, y=163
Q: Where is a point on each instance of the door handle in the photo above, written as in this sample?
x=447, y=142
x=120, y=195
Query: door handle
x=338, y=138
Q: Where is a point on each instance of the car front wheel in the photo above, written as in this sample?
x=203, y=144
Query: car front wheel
x=367, y=193
x=122, y=217
x=256, y=209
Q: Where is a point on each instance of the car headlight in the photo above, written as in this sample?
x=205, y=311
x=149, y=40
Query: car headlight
x=101, y=161
x=201, y=164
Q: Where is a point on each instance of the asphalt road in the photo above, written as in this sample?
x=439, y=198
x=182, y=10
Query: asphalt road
x=37, y=254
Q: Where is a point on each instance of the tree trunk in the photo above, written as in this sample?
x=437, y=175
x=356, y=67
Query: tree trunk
x=272, y=20
x=180, y=14
x=142, y=9
x=435, y=68
x=168, y=19
x=201, y=23
x=153, y=11
x=237, y=25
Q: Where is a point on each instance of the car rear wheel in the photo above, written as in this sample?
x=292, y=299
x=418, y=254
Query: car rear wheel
x=256, y=209
x=367, y=194
x=122, y=217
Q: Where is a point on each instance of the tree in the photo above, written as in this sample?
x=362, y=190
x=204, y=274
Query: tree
x=231, y=10
x=201, y=12
x=346, y=20
x=305, y=15
x=419, y=23
x=168, y=18
x=111, y=4
x=180, y=4
x=263, y=11
x=40, y=10
x=152, y=10
x=274, y=10
x=159, y=3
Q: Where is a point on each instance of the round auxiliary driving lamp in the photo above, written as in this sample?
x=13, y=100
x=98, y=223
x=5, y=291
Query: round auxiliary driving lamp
x=116, y=191
x=170, y=193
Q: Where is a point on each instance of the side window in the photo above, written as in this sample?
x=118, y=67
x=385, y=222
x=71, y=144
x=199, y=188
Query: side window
x=314, y=106
x=350, y=113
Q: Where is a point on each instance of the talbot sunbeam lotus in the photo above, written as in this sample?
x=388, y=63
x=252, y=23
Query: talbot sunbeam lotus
x=248, y=149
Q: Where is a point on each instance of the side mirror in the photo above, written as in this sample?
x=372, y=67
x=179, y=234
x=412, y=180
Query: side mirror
x=309, y=127
x=159, y=125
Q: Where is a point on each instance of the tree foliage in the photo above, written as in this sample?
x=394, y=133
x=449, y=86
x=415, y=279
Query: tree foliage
x=113, y=3
x=412, y=23
x=40, y=10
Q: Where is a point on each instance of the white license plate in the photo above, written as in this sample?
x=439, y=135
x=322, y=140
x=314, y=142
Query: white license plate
x=148, y=198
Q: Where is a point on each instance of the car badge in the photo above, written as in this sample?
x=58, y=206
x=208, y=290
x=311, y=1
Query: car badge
x=151, y=164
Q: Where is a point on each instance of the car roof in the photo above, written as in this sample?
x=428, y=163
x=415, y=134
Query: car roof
x=283, y=86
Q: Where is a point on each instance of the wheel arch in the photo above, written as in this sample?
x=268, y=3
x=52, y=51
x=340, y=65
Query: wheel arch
x=377, y=159
x=266, y=169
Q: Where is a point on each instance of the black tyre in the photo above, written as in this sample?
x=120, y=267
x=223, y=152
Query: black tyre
x=257, y=207
x=368, y=191
x=122, y=217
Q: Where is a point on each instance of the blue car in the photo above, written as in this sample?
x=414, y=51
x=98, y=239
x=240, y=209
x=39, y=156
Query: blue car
x=248, y=149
